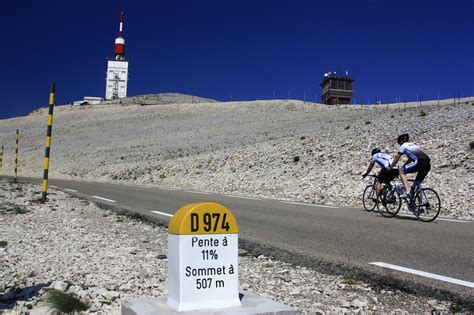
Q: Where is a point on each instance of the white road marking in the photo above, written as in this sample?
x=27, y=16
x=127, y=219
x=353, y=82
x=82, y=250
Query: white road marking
x=70, y=190
x=307, y=204
x=438, y=218
x=198, y=192
x=242, y=197
x=163, y=213
x=170, y=189
x=424, y=274
x=105, y=199
x=452, y=220
x=53, y=186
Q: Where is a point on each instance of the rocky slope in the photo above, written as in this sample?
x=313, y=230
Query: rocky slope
x=159, y=99
x=276, y=149
x=63, y=245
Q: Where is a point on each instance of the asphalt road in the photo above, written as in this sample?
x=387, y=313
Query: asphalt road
x=320, y=235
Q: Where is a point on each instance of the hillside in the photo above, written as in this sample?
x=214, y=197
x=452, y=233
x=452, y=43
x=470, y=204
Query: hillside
x=159, y=99
x=277, y=149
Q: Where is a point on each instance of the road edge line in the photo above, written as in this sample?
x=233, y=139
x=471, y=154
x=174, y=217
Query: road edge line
x=424, y=274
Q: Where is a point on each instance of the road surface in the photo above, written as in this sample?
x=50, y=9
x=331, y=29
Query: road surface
x=403, y=251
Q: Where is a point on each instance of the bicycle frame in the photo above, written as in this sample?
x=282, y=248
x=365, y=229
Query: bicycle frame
x=417, y=202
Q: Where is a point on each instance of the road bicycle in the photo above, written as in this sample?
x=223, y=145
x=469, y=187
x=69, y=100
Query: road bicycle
x=369, y=199
x=369, y=196
x=424, y=203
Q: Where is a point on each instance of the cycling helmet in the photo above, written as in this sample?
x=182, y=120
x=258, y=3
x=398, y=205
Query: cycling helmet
x=403, y=138
x=375, y=151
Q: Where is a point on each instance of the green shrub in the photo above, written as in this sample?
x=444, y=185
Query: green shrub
x=65, y=303
x=351, y=280
x=18, y=210
x=243, y=253
x=455, y=308
x=3, y=244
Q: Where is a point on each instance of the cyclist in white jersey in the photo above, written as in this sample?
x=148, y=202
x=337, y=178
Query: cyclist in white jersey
x=418, y=162
x=387, y=172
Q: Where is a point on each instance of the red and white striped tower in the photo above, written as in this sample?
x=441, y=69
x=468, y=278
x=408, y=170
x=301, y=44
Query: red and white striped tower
x=119, y=48
x=117, y=70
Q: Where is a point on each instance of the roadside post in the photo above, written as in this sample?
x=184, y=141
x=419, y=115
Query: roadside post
x=1, y=159
x=203, y=271
x=48, y=143
x=16, y=155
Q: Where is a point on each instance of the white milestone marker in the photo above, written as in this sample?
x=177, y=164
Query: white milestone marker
x=203, y=271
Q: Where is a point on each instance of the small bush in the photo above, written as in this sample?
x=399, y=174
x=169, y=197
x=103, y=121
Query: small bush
x=18, y=210
x=367, y=122
x=351, y=280
x=471, y=145
x=296, y=159
x=65, y=303
x=347, y=127
x=422, y=113
x=455, y=308
x=243, y=253
x=3, y=244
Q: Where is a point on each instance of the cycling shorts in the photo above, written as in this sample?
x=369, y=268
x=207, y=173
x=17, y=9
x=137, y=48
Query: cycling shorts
x=422, y=169
x=387, y=175
x=419, y=166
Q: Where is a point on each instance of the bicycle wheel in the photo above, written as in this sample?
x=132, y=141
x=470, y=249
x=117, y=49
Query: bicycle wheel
x=368, y=198
x=389, y=202
x=427, y=205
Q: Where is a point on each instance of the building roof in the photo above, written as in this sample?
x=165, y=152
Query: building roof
x=337, y=77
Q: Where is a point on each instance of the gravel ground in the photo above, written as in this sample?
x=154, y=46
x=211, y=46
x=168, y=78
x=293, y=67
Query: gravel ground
x=274, y=149
x=63, y=245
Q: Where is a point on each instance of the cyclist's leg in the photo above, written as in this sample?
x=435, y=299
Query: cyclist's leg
x=407, y=168
x=423, y=170
x=378, y=183
x=378, y=188
x=394, y=172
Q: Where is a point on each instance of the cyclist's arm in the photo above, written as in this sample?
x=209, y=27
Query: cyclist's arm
x=395, y=160
x=369, y=168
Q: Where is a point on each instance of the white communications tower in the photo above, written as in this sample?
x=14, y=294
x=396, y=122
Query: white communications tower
x=117, y=70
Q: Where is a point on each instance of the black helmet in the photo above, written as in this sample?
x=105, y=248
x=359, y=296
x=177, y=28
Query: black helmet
x=403, y=138
x=375, y=151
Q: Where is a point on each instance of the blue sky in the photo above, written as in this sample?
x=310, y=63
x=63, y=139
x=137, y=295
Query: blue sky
x=242, y=50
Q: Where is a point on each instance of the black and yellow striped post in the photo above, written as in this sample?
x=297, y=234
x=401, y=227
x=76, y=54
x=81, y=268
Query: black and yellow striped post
x=16, y=155
x=48, y=142
x=1, y=159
